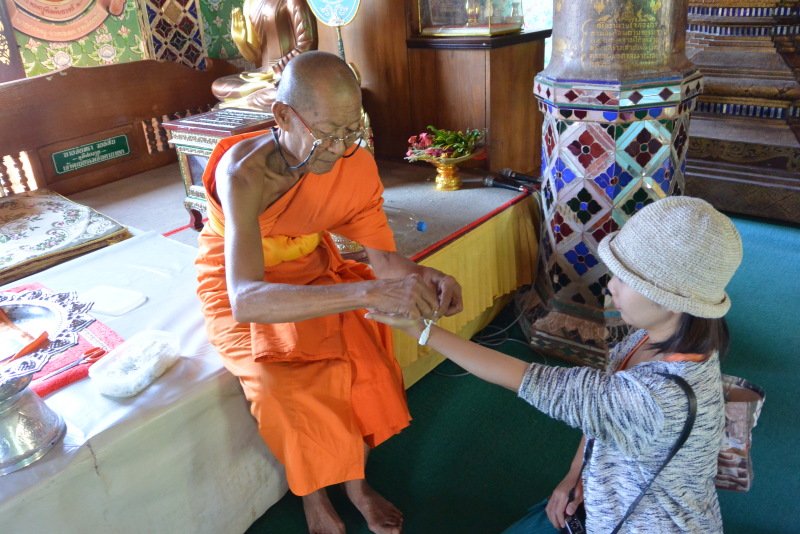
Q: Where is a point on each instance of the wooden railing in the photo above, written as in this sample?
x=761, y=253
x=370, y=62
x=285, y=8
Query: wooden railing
x=83, y=127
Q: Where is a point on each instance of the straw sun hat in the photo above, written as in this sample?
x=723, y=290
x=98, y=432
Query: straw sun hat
x=678, y=252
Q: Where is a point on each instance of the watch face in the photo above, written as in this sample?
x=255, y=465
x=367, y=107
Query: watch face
x=334, y=12
x=59, y=20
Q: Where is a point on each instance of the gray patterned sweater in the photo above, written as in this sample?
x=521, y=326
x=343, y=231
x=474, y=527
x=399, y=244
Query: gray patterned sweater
x=635, y=416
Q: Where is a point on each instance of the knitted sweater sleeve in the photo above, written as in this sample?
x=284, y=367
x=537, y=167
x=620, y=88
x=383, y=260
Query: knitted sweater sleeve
x=622, y=407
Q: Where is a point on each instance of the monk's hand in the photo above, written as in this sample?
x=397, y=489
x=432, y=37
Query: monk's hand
x=448, y=292
x=411, y=296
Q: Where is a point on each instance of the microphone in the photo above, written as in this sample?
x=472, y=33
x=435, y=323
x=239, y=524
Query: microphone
x=490, y=182
x=508, y=173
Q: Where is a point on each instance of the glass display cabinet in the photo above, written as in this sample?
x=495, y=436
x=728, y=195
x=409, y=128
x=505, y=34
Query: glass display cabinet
x=456, y=18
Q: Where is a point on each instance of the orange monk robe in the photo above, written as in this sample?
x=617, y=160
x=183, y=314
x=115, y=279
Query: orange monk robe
x=322, y=387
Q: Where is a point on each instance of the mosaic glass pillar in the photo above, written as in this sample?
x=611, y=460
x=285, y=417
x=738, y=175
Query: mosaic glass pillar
x=616, y=98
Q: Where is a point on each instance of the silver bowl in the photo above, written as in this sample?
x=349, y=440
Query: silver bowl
x=28, y=427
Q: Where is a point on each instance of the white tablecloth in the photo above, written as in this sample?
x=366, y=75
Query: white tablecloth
x=182, y=456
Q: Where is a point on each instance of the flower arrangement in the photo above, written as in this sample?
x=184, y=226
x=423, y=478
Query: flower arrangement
x=436, y=144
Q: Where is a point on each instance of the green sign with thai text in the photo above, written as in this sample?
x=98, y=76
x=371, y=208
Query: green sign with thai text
x=91, y=154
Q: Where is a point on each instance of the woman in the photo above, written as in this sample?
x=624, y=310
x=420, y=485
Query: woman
x=671, y=262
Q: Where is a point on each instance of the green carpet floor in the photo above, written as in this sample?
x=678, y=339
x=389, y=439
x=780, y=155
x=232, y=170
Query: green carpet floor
x=475, y=457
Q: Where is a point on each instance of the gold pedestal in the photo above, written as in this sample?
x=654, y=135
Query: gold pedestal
x=447, y=178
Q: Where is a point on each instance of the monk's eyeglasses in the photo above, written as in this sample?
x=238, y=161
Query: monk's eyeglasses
x=351, y=141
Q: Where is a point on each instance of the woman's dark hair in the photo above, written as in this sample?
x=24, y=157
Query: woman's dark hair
x=697, y=335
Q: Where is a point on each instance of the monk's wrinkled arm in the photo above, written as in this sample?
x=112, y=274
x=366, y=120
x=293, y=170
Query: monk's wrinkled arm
x=393, y=265
x=242, y=190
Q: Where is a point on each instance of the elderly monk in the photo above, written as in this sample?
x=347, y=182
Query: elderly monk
x=286, y=311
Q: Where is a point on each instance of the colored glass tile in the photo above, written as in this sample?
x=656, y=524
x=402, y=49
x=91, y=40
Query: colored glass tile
x=560, y=227
x=584, y=205
x=549, y=139
x=680, y=140
x=607, y=181
x=607, y=226
x=586, y=149
x=562, y=174
x=581, y=258
x=172, y=12
x=643, y=147
x=192, y=53
x=186, y=25
x=663, y=176
x=178, y=41
x=636, y=202
x=163, y=28
x=169, y=55
x=558, y=278
x=600, y=289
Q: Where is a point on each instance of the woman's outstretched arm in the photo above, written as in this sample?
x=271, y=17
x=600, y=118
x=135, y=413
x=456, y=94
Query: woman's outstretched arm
x=486, y=364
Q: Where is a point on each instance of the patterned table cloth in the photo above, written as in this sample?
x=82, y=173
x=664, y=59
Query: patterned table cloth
x=39, y=229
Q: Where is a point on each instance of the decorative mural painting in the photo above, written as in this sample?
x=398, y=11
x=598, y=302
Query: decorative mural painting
x=216, y=16
x=56, y=34
x=10, y=63
x=115, y=39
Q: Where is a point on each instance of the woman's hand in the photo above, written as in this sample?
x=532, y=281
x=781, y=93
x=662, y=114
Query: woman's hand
x=557, y=507
x=412, y=327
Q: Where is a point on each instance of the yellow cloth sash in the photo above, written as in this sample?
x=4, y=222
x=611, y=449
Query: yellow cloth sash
x=276, y=249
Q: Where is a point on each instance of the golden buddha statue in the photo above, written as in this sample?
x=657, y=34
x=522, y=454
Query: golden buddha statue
x=268, y=33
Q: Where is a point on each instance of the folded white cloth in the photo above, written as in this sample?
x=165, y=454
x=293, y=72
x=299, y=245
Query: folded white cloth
x=135, y=364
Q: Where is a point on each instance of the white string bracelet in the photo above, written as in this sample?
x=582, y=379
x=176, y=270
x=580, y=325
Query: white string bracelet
x=426, y=332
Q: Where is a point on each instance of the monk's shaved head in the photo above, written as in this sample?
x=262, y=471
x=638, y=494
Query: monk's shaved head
x=313, y=77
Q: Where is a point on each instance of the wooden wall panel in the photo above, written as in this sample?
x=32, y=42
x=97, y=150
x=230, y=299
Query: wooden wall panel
x=376, y=43
x=515, y=125
x=80, y=105
x=405, y=89
x=449, y=88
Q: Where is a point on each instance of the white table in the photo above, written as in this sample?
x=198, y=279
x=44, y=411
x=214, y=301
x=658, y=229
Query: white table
x=182, y=456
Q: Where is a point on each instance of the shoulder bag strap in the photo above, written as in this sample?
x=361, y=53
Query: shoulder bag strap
x=687, y=429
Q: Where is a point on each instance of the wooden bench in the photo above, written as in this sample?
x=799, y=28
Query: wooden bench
x=86, y=126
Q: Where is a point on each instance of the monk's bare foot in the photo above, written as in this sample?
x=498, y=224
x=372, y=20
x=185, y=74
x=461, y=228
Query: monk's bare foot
x=382, y=516
x=320, y=515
